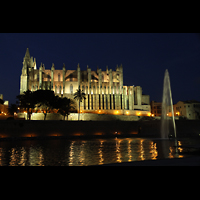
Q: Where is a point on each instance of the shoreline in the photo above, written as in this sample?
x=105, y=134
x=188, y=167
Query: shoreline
x=188, y=161
x=66, y=137
x=91, y=129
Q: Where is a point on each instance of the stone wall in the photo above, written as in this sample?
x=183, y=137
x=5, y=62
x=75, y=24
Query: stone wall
x=83, y=116
x=40, y=128
x=18, y=128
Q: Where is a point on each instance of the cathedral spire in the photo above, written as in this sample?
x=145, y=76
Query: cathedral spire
x=27, y=55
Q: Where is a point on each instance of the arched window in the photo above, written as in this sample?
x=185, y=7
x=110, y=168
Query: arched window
x=71, y=89
x=94, y=92
x=104, y=89
x=86, y=89
x=82, y=77
x=48, y=77
x=83, y=88
x=58, y=77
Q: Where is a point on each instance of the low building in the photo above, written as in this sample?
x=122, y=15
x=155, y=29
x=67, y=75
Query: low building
x=4, y=106
x=156, y=108
x=188, y=109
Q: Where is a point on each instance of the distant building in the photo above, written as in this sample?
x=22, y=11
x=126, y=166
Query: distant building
x=4, y=106
x=105, y=92
x=188, y=109
x=156, y=108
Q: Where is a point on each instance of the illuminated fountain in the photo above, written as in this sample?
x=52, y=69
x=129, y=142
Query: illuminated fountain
x=168, y=127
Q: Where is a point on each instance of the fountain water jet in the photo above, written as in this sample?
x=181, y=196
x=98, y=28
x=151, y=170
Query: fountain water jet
x=167, y=123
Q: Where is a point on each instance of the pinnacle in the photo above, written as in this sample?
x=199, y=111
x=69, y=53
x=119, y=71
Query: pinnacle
x=27, y=55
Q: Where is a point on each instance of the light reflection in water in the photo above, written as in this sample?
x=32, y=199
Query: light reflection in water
x=129, y=150
x=1, y=156
x=84, y=152
x=180, y=149
x=36, y=157
x=13, y=157
x=100, y=152
x=71, y=153
x=23, y=159
x=141, y=150
x=173, y=153
x=153, y=151
x=118, y=150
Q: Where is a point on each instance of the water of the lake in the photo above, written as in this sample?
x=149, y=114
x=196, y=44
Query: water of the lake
x=56, y=152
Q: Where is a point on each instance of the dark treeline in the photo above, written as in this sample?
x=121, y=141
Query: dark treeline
x=45, y=101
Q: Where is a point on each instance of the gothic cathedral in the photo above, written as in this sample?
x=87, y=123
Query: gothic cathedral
x=105, y=92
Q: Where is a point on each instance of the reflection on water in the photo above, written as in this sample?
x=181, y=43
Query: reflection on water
x=100, y=153
x=85, y=152
x=153, y=151
x=36, y=157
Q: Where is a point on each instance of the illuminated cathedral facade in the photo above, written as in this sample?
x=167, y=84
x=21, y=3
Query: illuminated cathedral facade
x=105, y=92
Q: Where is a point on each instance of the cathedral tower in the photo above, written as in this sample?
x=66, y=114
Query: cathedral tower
x=24, y=75
x=27, y=70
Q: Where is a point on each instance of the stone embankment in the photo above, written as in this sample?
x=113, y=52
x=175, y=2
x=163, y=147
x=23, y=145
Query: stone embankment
x=115, y=128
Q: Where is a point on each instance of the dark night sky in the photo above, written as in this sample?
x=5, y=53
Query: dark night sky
x=144, y=57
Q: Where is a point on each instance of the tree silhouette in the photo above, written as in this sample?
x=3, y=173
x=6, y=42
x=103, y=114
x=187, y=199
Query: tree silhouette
x=79, y=95
x=46, y=100
x=65, y=105
x=27, y=101
x=1, y=103
x=12, y=109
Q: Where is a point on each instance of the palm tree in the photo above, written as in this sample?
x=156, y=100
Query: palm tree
x=79, y=95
